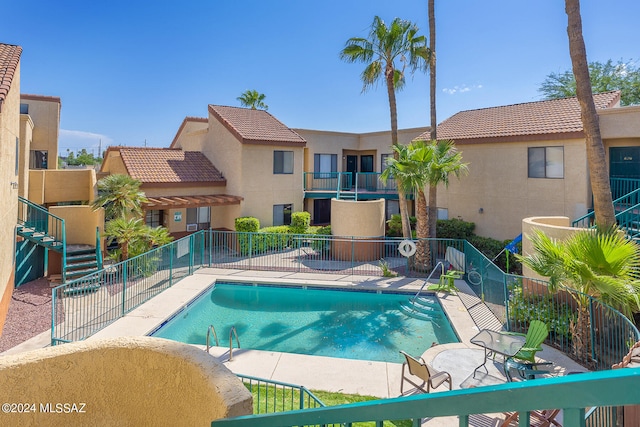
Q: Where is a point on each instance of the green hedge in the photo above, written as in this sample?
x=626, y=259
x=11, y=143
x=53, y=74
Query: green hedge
x=300, y=222
x=248, y=224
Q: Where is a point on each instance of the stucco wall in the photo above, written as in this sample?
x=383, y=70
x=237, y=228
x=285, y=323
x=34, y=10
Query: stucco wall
x=556, y=227
x=360, y=219
x=80, y=223
x=57, y=186
x=132, y=381
x=498, y=184
x=26, y=135
x=45, y=113
x=9, y=134
x=623, y=122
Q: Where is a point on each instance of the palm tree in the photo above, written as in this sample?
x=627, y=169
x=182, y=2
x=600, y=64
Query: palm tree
x=386, y=45
x=593, y=263
x=432, y=68
x=410, y=170
x=600, y=185
x=253, y=99
x=446, y=160
x=127, y=232
x=120, y=196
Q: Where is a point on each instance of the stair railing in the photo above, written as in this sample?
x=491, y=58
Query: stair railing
x=99, y=259
x=32, y=215
x=629, y=203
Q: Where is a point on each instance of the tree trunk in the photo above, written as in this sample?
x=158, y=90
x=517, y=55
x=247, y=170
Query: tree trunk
x=432, y=70
x=600, y=185
x=404, y=211
x=581, y=334
x=423, y=255
x=433, y=211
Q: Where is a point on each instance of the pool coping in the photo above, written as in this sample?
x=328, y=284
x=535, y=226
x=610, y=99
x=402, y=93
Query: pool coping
x=380, y=379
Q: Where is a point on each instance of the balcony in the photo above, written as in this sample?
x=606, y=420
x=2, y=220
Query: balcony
x=344, y=185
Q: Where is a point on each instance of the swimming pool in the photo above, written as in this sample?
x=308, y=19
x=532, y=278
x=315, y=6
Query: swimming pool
x=336, y=323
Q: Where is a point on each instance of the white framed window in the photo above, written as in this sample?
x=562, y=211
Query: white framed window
x=282, y=214
x=546, y=162
x=200, y=216
x=282, y=162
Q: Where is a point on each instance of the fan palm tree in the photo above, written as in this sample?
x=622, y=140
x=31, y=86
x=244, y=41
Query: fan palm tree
x=127, y=232
x=386, y=53
x=446, y=160
x=253, y=99
x=120, y=196
x=411, y=171
x=601, y=264
x=432, y=68
x=600, y=184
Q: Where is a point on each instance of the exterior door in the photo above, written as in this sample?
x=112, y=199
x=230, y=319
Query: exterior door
x=321, y=211
x=352, y=166
x=624, y=162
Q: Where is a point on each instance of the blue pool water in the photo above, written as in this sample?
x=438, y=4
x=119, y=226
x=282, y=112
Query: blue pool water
x=347, y=324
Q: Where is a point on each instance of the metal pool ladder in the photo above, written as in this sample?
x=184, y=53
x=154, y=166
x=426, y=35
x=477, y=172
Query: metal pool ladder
x=427, y=279
x=211, y=331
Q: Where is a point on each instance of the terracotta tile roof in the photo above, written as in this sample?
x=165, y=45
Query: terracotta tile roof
x=180, y=202
x=532, y=120
x=256, y=126
x=169, y=166
x=9, y=59
x=184, y=123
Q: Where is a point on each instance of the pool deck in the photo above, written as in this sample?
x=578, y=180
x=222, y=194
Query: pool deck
x=380, y=379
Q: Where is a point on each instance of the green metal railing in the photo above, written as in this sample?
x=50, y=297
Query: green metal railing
x=343, y=181
x=571, y=393
x=274, y=396
x=84, y=306
x=50, y=229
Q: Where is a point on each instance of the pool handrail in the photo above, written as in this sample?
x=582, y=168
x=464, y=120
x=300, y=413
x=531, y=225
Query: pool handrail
x=233, y=332
x=427, y=279
x=215, y=336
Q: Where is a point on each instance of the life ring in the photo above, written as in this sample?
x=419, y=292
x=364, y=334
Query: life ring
x=407, y=248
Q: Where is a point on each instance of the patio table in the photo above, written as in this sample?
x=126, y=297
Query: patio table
x=498, y=343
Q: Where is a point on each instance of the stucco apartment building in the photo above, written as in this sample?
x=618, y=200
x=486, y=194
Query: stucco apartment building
x=524, y=160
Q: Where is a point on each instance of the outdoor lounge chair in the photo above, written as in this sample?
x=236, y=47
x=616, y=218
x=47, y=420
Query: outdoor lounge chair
x=536, y=334
x=426, y=373
x=544, y=418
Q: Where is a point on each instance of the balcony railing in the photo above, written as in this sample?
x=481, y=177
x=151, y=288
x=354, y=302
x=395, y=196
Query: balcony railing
x=344, y=181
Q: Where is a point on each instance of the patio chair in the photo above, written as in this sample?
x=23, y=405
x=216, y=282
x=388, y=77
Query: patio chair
x=536, y=334
x=525, y=370
x=544, y=418
x=426, y=373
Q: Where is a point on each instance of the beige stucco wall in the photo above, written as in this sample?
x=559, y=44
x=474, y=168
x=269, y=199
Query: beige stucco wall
x=623, y=122
x=57, y=186
x=128, y=381
x=9, y=134
x=26, y=135
x=556, y=227
x=45, y=113
x=360, y=219
x=80, y=223
x=498, y=184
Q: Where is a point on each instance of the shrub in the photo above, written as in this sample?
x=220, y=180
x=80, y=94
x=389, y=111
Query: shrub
x=300, y=222
x=247, y=224
x=454, y=228
x=394, y=225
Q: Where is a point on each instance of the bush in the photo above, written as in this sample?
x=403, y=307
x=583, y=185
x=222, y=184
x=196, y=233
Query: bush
x=247, y=224
x=300, y=222
x=394, y=225
x=454, y=228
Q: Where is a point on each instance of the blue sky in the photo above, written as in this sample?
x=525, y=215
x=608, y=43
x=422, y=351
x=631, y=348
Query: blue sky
x=130, y=71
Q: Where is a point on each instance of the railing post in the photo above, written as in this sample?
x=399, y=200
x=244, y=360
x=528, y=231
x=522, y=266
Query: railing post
x=53, y=316
x=171, y=250
x=64, y=252
x=250, y=249
x=210, y=246
x=191, y=254
x=125, y=267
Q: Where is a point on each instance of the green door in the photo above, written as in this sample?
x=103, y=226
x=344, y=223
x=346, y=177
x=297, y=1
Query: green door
x=624, y=162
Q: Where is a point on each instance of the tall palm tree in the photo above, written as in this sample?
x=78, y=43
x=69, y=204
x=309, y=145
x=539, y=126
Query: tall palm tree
x=600, y=185
x=432, y=68
x=387, y=49
x=120, y=196
x=599, y=263
x=446, y=160
x=411, y=171
x=253, y=99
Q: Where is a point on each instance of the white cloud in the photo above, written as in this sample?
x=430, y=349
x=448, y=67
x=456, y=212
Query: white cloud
x=76, y=140
x=461, y=89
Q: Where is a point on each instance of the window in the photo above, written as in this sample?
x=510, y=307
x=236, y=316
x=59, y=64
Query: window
x=38, y=159
x=200, y=216
x=24, y=108
x=366, y=163
x=282, y=214
x=546, y=162
x=154, y=218
x=282, y=162
x=325, y=163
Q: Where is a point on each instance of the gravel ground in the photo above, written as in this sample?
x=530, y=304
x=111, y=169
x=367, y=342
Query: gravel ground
x=29, y=313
